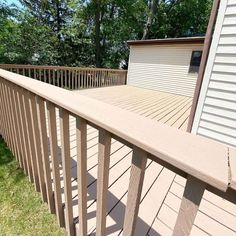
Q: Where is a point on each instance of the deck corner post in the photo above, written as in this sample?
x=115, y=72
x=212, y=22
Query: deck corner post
x=191, y=200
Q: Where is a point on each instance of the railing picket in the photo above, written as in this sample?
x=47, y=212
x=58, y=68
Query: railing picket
x=29, y=125
x=36, y=137
x=6, y=113
x=191, y=200
x=65, y=150
x=53, y=77
x=22, y=130
x=55, y=162
x=104, y=147
x=45, y=152
x=16, y=126
x=25, y=135
x=139, y=161
x=31, y=145
x=81, y=137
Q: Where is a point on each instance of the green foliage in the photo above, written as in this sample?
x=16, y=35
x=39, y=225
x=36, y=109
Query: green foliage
x=92, y=32
x=21, y=209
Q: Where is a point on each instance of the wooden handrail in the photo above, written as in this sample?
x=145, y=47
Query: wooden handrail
x=204, y=162
x=71, y=78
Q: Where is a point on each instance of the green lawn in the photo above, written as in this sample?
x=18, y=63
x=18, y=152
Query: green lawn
x=21, y=210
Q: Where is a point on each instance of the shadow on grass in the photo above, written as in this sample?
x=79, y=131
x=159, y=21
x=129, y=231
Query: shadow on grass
x=8, y=162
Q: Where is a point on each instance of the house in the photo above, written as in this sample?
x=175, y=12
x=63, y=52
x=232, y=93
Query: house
x=117, y=160
x=215, y=115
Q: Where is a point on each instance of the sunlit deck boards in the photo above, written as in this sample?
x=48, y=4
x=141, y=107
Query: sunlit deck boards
x=162, y=190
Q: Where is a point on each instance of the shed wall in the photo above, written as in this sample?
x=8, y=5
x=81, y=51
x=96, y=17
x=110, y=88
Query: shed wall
x=163, y=68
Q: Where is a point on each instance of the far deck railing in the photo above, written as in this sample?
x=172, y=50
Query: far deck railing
x=72, y=78
x=206, y=164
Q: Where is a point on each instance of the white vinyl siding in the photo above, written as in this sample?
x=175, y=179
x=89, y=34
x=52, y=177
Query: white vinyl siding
x=216, y=111
x=163, y=68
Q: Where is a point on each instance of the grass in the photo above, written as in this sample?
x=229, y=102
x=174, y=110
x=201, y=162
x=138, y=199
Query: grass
x=21, y=210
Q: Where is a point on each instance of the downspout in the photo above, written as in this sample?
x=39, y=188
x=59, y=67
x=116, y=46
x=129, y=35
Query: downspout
x=206, y=49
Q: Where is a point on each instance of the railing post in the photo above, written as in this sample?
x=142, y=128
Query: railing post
x=138, y=166
x=191, y=200
x=102, y=181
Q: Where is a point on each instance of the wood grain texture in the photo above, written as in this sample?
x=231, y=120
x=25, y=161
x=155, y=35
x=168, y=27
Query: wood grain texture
x=139, y=161
x=191, y=200
x=102, y=182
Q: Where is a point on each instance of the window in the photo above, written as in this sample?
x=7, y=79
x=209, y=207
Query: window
x=195, y=61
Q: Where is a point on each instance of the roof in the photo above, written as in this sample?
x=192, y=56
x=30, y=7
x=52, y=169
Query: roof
x=186, y=40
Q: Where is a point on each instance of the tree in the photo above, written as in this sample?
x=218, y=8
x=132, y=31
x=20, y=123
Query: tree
x=92, y=33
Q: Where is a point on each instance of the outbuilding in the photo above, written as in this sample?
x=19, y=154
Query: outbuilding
x=168, y=65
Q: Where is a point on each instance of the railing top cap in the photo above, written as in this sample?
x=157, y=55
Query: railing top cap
x=200, y=157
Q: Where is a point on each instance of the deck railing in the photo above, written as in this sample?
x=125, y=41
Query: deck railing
x=72, y=78
x=28, y=119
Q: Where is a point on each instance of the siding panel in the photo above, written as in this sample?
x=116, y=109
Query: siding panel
x=163, y=68
x=216, y=112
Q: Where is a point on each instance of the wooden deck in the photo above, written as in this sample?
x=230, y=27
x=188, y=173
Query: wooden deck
x=162, y=189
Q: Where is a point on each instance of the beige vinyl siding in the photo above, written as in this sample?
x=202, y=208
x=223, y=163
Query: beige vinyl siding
x=162, y=68
x=216, y=112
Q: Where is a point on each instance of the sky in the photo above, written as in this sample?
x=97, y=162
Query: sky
x=9, y=2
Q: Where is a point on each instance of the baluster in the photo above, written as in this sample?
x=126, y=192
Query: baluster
x=31, y=145
x=104, y=147
x=10, y=118
x=139, y=160
x=7, y=122
x=16, y=126
x=36, y=139
x=81, y=137
x=191, y=200
x=45, y=152
x=53, y=77
x=66, y=160
x=79, y=79
x=55, y=162
x=25, y=132
x=22, y=129
x=44, y=75
x=73, y=79
x=40, y=74
x=49, y=76
x=76, y=79
x=66, y=82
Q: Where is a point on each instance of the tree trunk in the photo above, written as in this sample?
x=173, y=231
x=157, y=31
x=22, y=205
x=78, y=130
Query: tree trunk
x=97, y=33
x=153, y=10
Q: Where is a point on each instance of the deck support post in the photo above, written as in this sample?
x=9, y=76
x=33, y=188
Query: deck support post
x=191, y=200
